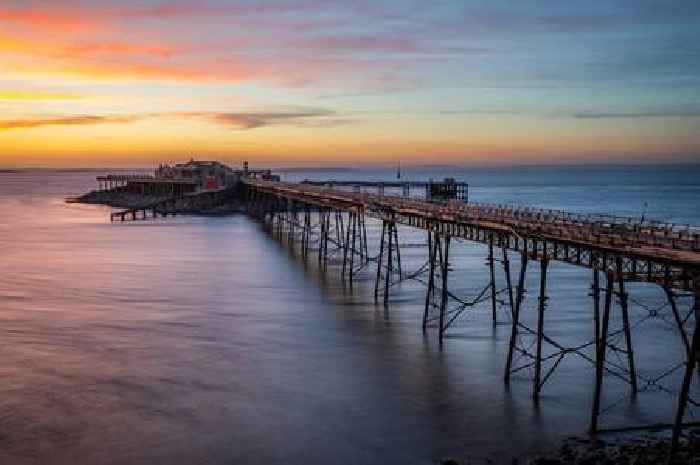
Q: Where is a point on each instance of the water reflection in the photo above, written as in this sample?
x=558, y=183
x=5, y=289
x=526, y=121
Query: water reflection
x=205, y=340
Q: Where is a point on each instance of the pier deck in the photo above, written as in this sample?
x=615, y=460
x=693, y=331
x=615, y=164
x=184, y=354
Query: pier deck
x=664, y=253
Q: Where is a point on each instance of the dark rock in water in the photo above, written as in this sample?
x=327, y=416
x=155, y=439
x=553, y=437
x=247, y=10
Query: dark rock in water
x=645, y=450
x=547, y=461
x=629, y=450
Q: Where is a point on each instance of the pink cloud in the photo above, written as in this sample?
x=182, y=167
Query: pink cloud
x=244, y=42
x=87, y=49
x=364, y=44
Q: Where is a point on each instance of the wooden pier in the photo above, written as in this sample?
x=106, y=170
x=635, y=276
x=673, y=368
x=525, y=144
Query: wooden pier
x=435, y=191
x=327, y=219
x=176, y=203
x=112, y=181
x=617, y=250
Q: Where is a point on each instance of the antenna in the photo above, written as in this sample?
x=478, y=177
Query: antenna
x=398, y=171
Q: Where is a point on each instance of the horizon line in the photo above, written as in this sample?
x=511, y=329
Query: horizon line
x=370, y=166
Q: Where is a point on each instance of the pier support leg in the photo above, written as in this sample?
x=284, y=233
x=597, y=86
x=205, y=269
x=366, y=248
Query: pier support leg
x=595, y=293
x=389, y=264
x=352, y=246
x=626, y=326
x=492, y=273
x=506, y=271
x=305, y=234
x=677, y=317
x=364, y=237
x=292, y=223
x=443, y=298
x=687, y=377
x=346, y=246
x=540, y=327
x=325, y=240
x=360, y=237
x=338, y=230
x=342, y=230
x=601, y=347
x=516, y=315
x=322, y=236
x=380, y=261
x=431, y=278
x=398, y=250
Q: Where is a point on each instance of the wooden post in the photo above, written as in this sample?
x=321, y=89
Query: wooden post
x=540, y=327
x=352, y=248
x=364, y=236
x=596, y=307
x=601, y=347
x=325, y=240
x=626, y=325
x=322, y=224
x=493, y=280
x=346, y=246
x=380, y=259
x=431, y=278
x=390, y=264
x=677, y=317
x=688, y=376
x=506, y=270
x=398, y=250
x=516, y=313
x=443, y=300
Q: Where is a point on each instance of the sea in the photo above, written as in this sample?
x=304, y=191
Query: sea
x=208, y=340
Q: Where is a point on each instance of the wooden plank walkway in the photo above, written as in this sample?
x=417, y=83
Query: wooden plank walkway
x=653, y=251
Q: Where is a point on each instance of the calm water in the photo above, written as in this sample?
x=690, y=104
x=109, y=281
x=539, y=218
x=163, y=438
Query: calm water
x=204, y=340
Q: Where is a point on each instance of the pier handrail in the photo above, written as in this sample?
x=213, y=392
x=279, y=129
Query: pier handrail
x=655, y=242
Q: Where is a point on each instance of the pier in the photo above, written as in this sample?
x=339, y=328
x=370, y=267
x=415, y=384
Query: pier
x=327, y=221
x=617, y=250
x=433, y=190
x=112, y=181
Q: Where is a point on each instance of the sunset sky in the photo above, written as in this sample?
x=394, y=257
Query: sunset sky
x=133, y=83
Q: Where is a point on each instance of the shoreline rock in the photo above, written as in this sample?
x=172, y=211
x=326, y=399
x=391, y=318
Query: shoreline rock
x=648, y=449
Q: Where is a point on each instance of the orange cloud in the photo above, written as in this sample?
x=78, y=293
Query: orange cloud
x=89, y=49
x=316, y=117
x=64, y=121
x=252, y=120
x=22, y=95
x=54, y=20
x=85, y=49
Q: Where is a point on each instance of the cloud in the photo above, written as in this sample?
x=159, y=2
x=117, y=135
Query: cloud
x=477, y=112
x=29, y=123
x=309, y=117
x=247, y=41
x=51, y=20
x=86, y=49
x=34, y=96
x=252, y=120
x=639, y=114
x=364, y=43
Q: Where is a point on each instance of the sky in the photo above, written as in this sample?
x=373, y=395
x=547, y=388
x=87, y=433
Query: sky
x=318, y=83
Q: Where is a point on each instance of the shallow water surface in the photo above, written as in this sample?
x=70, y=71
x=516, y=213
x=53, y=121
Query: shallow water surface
x=205, y=340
